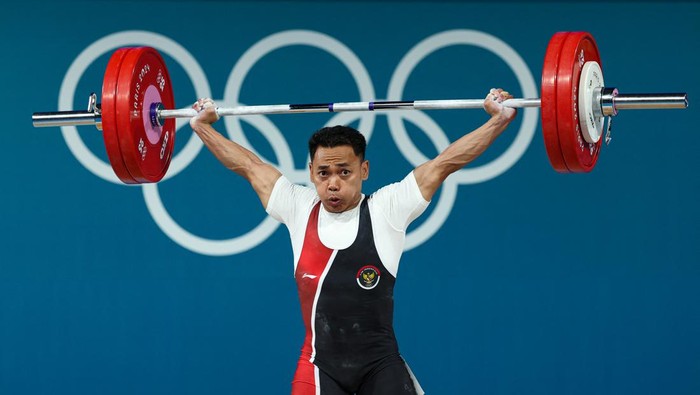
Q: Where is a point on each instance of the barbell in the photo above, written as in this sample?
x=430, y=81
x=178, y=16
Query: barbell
x=137, y=111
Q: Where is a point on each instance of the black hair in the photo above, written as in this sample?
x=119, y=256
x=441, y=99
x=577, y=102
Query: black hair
x=334, y=136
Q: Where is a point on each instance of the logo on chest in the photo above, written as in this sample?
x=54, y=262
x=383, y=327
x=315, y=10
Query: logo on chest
x=368, y=277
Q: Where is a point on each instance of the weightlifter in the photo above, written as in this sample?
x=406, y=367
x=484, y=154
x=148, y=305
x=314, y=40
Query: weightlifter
x=347, y=245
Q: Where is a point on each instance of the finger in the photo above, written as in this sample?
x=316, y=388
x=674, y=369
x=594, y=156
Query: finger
x=198, y=105
x=492, y=95
x=208, y=103
x=202, y=104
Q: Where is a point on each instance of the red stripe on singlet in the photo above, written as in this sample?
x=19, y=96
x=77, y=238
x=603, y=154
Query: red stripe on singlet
x=312, y=263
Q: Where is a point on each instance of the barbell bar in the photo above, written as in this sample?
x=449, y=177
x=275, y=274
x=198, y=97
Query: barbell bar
x=643, y=101
x=136, y=114
x=158, y=114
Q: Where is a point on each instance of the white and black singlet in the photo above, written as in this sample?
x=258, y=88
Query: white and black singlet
x=345, y=266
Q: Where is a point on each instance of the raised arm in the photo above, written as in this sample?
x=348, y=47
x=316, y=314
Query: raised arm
x=262, y=176
x=430, y=175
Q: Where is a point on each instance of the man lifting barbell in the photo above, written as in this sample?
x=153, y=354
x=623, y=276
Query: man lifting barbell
x=347, y=245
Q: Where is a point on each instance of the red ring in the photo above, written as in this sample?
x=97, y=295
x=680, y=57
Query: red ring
x=579, y=155
x=110, y=132
x=548, y=111
x=143, y=67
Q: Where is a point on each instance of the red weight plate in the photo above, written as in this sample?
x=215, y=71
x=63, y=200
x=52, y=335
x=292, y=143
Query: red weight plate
x=143, y=81
x=548, y=112
x=109, y=120
x=579, y=155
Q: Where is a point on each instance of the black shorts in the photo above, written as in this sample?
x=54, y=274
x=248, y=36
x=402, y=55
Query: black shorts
x=388, y=376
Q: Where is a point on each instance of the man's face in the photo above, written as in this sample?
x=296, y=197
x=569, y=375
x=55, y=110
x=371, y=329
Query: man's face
x=337, y=174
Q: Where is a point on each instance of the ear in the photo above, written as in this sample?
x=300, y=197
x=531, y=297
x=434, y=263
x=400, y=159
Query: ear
x=365, y=170
x=311, y=171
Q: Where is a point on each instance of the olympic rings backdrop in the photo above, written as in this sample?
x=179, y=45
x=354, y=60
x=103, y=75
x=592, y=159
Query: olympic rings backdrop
x=516, y=280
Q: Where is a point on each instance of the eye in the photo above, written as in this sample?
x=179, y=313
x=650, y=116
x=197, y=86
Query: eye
x=322, y=173
x=345, y=172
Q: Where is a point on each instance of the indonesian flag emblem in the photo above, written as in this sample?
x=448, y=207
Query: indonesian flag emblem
x=368, y=277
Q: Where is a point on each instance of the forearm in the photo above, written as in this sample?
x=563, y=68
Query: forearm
x=231, y=154
x=433, y=173
x=262, y=176
x=469, y=147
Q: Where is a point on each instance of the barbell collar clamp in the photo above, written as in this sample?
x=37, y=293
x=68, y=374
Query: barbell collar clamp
x=607, y=101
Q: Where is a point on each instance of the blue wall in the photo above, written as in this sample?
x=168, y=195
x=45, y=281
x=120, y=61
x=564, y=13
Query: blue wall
x=521, y=281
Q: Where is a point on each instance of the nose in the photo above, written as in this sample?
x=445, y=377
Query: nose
x=333, y=184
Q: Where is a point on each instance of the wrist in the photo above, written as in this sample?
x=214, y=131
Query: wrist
x=500, y=119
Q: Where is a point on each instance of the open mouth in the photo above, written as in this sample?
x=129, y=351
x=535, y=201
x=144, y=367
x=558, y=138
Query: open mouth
x=334, y=201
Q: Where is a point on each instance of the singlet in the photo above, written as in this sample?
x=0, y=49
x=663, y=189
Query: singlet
x=345, y=268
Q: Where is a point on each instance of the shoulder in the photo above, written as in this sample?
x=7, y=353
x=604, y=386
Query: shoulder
x=288, y=198
x=407, y=189
x=399, y=203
